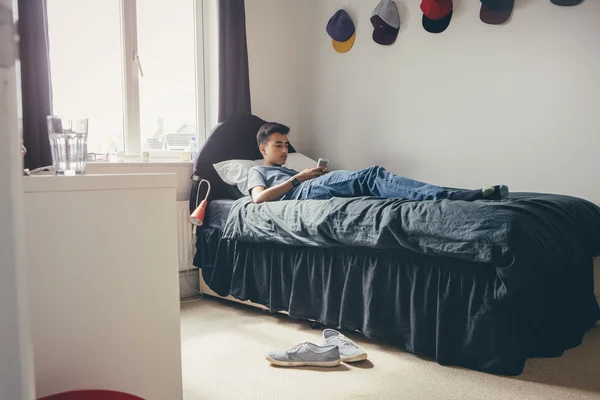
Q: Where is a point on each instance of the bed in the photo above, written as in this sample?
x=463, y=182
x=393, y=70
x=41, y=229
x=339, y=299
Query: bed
x=481, y=285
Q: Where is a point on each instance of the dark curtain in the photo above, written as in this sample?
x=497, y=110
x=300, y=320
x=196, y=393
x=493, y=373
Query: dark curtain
x=35, y=81
x=234, y=81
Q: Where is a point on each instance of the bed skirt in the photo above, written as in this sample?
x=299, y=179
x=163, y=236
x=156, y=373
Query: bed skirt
x=435, y=307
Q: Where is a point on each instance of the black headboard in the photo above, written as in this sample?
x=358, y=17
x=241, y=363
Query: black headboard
x=233, y=139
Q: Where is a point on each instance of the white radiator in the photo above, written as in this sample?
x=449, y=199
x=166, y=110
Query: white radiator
x=185, y=237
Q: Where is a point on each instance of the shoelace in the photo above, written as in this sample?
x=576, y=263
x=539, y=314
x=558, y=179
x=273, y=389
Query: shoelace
x=346, y=341
x=295, y=348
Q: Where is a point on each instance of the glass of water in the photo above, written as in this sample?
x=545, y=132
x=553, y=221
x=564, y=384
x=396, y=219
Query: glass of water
x=68, y=140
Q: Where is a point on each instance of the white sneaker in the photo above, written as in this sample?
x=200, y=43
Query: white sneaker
x=306, y=354
x=349, y=351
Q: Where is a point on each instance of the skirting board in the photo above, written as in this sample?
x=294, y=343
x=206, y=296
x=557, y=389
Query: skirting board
x=188, y=283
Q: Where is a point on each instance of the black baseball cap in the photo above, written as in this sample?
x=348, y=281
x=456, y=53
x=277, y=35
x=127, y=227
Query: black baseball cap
x=437, y=15
x=386, y=22
x=496, y=12
x=566, y=3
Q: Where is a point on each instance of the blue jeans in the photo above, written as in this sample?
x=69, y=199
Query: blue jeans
x=374, y=181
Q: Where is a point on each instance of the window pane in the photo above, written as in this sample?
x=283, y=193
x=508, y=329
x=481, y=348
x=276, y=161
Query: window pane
x=166, y=47
x=15, y=10
x=86, y=67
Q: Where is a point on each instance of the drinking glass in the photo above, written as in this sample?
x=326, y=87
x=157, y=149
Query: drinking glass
x=68, y=140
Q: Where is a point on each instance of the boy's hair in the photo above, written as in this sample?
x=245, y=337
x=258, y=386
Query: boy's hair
x=268, y=129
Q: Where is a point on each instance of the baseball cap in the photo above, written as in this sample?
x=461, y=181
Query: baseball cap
x=342, y=31
x=566, y=3
x=386, y=22
x=436, y=15
x=496, y=12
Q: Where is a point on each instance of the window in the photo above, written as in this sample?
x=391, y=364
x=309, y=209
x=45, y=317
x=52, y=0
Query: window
x=86, y=67
x=130, y=67
x=167, y=89
x=15, y=10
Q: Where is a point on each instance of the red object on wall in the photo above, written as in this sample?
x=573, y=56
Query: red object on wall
x=92, y=395
x=436, y=9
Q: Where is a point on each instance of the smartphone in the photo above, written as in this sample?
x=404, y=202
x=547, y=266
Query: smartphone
x=322, y=163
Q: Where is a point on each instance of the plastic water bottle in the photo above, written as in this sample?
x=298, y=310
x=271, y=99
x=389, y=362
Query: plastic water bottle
x=193, y=149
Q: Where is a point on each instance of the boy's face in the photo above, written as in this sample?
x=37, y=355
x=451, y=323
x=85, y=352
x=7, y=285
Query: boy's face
x=275, y=152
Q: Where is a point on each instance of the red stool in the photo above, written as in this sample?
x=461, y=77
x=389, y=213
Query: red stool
x=92, y=395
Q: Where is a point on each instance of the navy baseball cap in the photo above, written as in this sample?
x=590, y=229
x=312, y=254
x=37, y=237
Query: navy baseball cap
x=342, y=31
x=566, y=3
x=496, y=12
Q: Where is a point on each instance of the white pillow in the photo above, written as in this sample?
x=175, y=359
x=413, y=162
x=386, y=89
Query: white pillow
x=298, y=162
x=235, y=172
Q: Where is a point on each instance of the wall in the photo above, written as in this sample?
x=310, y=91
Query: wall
x=476, y=105
x=16, y=360
x=280, y=41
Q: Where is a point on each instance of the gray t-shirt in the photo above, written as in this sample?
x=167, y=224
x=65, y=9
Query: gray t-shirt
x=268, y=176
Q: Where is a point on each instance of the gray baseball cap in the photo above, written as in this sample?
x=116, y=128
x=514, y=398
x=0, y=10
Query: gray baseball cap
x=386, y=22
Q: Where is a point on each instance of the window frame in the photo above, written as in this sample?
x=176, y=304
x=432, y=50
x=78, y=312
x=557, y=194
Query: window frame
x=132, y=66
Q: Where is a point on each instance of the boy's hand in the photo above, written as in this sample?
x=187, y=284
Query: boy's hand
x=311, y=173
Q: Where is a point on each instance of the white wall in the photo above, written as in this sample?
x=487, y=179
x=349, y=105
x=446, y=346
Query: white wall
x=517, y=104
x=279, y=42
x=16, y=360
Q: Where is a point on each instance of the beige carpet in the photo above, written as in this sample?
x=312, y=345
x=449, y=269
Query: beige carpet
x=224, y=344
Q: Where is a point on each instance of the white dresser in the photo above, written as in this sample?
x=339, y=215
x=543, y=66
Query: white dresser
x=102, y=292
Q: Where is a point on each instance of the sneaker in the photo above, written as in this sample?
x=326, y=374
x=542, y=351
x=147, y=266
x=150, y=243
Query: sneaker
x=349, y=351
x=306, y=354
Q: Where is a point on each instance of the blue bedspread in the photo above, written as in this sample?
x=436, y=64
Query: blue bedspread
x=519, y=236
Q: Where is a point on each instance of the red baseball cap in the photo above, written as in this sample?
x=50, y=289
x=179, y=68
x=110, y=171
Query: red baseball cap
x=436, y=14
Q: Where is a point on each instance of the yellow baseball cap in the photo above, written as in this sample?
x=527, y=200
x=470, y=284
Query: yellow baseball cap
x=342, y=31
x=344, y=47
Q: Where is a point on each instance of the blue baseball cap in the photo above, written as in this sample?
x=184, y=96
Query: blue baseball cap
x=566, y=3
x=496, y=12
x=342, y=31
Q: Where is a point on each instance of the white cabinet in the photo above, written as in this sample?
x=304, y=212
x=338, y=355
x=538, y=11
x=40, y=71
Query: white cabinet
x=103, y=297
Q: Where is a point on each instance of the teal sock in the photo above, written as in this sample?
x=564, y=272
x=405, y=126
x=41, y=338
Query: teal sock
x=497, y=192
